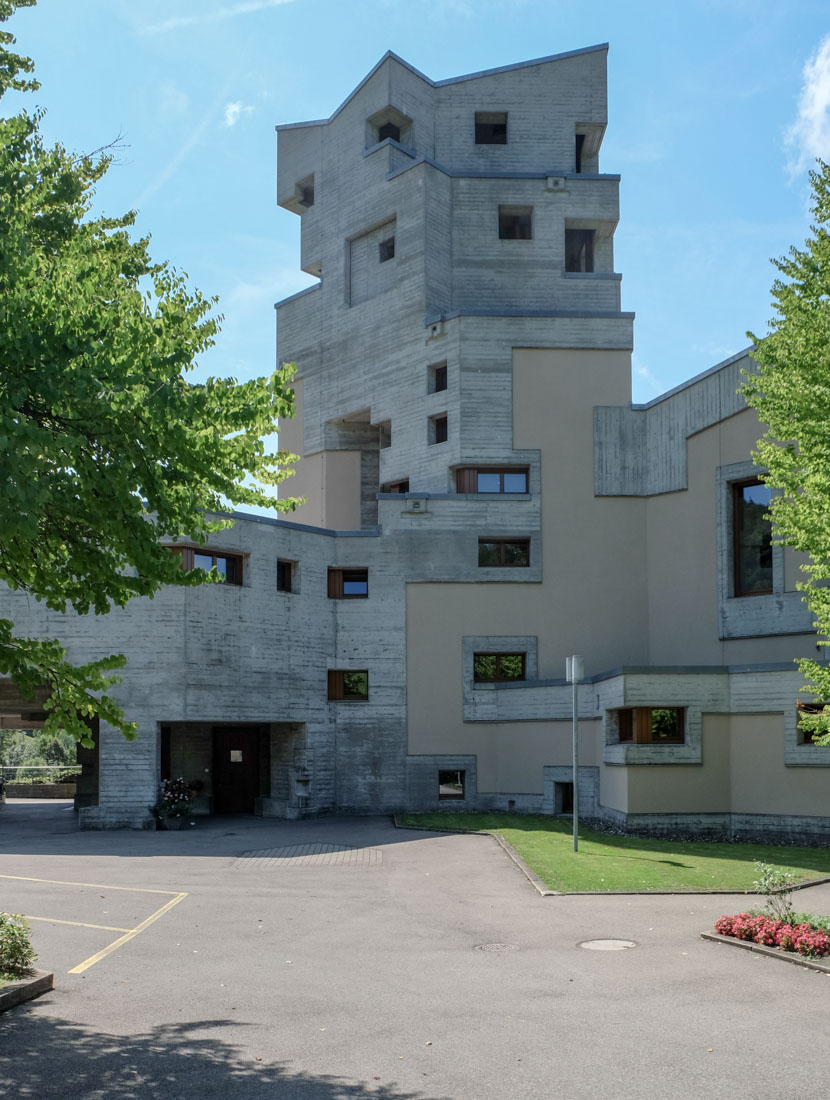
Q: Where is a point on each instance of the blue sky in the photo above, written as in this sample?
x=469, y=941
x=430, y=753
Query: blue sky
x=716, y=111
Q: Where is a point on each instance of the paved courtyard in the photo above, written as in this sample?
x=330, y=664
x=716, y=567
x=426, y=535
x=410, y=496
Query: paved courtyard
x=342, y=958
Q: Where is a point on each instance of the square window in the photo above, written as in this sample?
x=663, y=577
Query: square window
x=497, y=668
x=438, y=429
x=437, y=378
x=451, y=785
x=515, y=223
x=348, y=584
x=751, y=538
x=386, y=250
x=504, y=553
x=579, y=249
x=348, y=685
x=491, y=127
x=284, y=578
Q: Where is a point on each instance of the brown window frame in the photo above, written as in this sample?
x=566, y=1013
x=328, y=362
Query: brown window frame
x=283, y=566
x=188, y=554
x=454, y=797
x=499, y=678
x=338, y=578
x=337, y=685
x=736, y=499
x=502, y=543
x=466, y=479
x=401, y=486
x=634, y=726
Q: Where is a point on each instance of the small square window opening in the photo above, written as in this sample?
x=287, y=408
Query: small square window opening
x=451, y=785
x=389, y=130
x=515, y=223
x=348, y=584
x=348, y=685
x=491, y=128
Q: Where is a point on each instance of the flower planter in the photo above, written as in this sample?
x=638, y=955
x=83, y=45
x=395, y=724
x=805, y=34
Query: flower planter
x=173, y=823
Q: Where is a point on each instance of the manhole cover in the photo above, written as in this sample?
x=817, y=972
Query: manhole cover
x=496, y=948
x=308, y=855
x=607, y=945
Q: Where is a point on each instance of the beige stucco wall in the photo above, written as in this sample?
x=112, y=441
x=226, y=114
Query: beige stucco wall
x=687, y=788
x=330, y=480
x=760, y=782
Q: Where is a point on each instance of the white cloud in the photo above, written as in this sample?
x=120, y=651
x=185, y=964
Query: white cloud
x=641, y=371
x=809, y=135
x=231, y=11
x=233, y=112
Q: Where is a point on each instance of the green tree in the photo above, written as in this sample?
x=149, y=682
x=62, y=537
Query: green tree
x=104, y=445
x=791, y=393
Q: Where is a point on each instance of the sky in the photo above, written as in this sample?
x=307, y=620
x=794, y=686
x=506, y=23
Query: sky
x=717, y=111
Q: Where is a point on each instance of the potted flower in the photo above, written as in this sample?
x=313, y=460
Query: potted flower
x=173, y=804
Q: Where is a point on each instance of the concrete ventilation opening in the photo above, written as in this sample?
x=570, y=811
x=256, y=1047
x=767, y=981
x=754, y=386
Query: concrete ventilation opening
x=496, y=948
x=308, y=855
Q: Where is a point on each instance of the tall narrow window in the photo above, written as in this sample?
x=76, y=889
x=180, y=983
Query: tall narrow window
x=437, y=377
x=752, y=535
x=438, y=429
x=284, y=578
x=579, y=249
x=580, y=144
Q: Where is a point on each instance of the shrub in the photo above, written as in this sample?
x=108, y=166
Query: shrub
x=776, y=885
x=16, y=951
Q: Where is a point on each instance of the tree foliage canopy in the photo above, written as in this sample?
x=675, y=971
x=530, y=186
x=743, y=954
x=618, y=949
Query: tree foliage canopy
x=105, y=447
x=791, y=393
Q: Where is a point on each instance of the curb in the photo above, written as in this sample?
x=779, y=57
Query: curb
x=25, y=989
x=770, y=952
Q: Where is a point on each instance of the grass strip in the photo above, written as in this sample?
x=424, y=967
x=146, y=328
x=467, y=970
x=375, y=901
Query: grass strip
x=611, y=864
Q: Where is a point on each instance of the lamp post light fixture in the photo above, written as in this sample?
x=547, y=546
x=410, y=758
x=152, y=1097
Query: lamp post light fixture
x=574, y=673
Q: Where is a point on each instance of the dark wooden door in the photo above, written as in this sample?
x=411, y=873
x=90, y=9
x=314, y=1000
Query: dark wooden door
x=235, y=769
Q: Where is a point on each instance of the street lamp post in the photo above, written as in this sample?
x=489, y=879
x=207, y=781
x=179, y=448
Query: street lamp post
x=574, y=672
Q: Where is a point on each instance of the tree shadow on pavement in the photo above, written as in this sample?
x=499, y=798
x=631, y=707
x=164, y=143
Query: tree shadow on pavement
x=43, y=1057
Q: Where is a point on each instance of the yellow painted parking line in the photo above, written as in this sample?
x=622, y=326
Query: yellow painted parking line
x=94, y=885
x=93, y=959
x=77, y=923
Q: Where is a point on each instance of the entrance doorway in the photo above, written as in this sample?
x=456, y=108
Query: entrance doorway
x=236, y=768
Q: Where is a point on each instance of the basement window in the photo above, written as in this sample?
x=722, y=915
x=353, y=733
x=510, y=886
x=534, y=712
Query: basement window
x=504, y=553
x=352, y=685
x=348, y=584
x=451, y=785
x=491, y=127
x=515, y=223
x=386, y=250
x=650, y=725
x=579, y=249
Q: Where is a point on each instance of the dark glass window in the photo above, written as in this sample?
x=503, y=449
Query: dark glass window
x=752, y=533
x=504, y=552
x=493, y=668
x=438, y=378
x=386, y=250
x=439, y=429
x=284, y=576
x=651, y=725
x=580, y=144
x=389, y=130
x=450, y=784
x=348, y=584
x=515, y=223
x=395, y=487
x=348, y=685
x=579, y=249
x=491, y=128
x=494, y=479
x=228, y=566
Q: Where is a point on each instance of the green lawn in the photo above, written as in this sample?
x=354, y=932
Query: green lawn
x=609, y=863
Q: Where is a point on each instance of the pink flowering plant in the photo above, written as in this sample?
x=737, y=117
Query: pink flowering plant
x=802, y=938
x=175, y=796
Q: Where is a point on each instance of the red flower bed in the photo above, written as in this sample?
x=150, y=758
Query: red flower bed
x=802, y=938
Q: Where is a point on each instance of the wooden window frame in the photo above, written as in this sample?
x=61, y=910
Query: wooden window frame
x=466, y=478
x=634, y=726
x=337, y=685
x=459, y=797
x=284, y=564
x=736, y=499
x=502, y=543
x=499, y=678
x=338, y=578
x=233, y=576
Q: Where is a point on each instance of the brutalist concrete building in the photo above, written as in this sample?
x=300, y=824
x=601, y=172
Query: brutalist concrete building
x=483, y=500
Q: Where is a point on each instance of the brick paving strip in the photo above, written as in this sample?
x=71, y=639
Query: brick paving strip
x=770, y=952
x=24, y=989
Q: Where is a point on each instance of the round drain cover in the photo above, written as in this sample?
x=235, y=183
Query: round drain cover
x=607, y=945
x=496, y=948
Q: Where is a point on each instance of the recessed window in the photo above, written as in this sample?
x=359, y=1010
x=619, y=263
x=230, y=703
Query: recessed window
x=563, y=798
x=752, y=538
x=515, y=223
x=386, y=250
x=651, y=725
x=579, y=249
x=348, y=584
x=437, y=377
x=498, y=668
x=389, y=130
x=804, y=710
x=504, y=553
x=395, y=486
x=492, y=479
x=228, y=566
x=284, y=576
x=491, y=127
x=451, y=785
x=348, y=685
x=579, y=146
x=438, y=429
x=305, y=192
